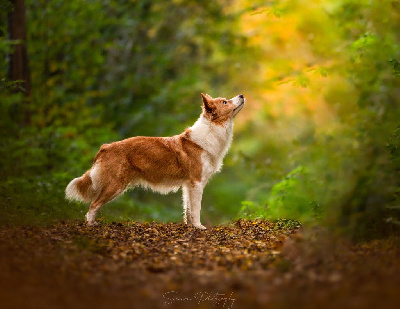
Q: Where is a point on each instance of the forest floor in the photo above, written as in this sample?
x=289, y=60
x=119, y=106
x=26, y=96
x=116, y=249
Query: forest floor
x=248, y=264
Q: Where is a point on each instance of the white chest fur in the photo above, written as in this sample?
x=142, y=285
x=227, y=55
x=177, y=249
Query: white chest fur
x=215, y=139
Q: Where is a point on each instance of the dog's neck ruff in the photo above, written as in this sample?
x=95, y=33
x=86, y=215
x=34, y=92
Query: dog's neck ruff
x=215, y=139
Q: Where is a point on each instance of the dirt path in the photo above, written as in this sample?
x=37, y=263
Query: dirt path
x=150, y=265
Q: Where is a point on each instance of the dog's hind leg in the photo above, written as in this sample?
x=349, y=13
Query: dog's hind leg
x=106, y=195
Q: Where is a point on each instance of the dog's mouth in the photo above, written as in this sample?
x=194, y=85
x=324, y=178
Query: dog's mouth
x=239, y=107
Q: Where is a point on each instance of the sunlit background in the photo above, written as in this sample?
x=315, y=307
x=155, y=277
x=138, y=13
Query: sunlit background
x=316, y=142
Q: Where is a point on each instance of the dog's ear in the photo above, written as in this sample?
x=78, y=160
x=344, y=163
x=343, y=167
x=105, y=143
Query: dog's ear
x=207, y=104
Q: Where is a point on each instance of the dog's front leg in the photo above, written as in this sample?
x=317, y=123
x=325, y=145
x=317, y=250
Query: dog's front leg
x=195, y=196
x=186, y=205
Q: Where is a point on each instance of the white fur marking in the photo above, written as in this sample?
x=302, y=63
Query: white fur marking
x=215, y=140
x=95, y=176
x=163, y=188
x=186, y=205
x=72, y=193
x=195, y=196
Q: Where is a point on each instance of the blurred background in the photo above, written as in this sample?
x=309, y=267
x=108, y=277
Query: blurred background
x=318, y=140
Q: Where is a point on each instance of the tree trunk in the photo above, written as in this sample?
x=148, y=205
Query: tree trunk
x=19, y=63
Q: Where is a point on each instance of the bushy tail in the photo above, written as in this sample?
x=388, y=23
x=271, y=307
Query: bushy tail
x=81, y=189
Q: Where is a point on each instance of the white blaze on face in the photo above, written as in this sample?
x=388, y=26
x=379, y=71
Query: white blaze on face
x=238, y=102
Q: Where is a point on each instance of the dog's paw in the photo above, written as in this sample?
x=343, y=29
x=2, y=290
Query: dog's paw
x=199, y=226
x=92, y=223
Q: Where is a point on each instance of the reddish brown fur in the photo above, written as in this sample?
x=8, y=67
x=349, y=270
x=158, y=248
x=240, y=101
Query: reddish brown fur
x=215, y=109
x=156, y=160
x=84, y=186
x=153, y=159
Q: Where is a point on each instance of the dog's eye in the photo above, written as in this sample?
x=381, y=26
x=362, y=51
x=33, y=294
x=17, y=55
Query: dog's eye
x=224, y=102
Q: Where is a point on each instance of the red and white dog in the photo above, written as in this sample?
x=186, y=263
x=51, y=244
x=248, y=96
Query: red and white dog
x=163, y=164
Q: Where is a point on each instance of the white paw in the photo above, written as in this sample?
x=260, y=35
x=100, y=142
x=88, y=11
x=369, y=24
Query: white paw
x=92, y=223
x=199, y=226
x=187, y=222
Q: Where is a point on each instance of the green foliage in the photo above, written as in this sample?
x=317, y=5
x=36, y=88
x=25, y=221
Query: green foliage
x=103, y=71
x=393, y=215
x=291, y=198
x=5, y=44
x=322, y=82
x=336, y=171
x=36, y=200
x=394, y=148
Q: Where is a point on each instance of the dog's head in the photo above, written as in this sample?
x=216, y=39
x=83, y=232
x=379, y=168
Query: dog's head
x=220, y=110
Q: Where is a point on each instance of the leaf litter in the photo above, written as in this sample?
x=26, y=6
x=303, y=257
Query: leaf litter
x=249, y=263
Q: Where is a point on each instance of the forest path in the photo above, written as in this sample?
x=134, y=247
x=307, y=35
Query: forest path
x=158, y=265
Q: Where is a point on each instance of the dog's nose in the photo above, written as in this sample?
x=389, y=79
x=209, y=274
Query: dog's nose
x=241, y=96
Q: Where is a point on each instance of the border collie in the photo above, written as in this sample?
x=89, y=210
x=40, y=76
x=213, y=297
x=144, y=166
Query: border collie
x=162, y=164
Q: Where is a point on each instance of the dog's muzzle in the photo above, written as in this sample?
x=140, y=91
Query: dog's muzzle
x=240, y=105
